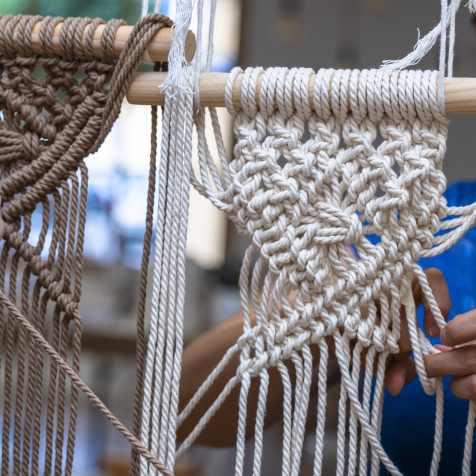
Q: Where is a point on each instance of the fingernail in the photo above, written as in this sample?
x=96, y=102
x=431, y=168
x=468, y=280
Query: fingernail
x=399, y=384
x=443, y=348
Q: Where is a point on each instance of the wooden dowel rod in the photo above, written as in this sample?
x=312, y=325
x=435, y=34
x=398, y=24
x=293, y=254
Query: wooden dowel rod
x=460, y=93
x=158, y=49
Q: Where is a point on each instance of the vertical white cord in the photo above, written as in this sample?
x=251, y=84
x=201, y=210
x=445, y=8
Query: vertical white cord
x=443, y=27
x=353, y=430
x=145, y=8
x=287, y=419
x=244, y=356
x=165, y=343
x=342, y=423
x=468, y=439
x=452, y=39
x=301, y=409
x=368, y=374
x=321, y=407
x=438, y=438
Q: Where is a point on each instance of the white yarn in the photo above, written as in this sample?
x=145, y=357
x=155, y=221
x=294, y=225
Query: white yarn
x=468, y=439
x=165, y=340
x=308, y=185
x=446, y=27
x=177, y=80
x=144, y=8
x=164, y=348
x=321, y=407
x=443, y=26
x=341, y=429
x=301, y=408
x=472, y=6
x=353, y=434
x=287, y=418
x=452, y=39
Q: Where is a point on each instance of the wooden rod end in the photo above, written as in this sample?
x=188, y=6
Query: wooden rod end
x=190, y=46
x=157, y=51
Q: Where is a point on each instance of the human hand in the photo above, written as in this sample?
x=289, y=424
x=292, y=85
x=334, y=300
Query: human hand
x=401, y=368
x=457, y=356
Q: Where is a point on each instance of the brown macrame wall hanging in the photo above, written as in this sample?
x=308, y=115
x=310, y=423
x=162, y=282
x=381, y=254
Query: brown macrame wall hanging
x=57, y=108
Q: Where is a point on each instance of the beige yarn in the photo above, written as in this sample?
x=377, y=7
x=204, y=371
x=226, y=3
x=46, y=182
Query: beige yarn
x=313, y=174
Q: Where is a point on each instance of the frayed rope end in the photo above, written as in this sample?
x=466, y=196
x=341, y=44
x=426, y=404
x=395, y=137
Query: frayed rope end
x=471, y=6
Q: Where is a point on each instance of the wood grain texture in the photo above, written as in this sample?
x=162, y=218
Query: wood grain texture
x=158, y=50
x=460, y=93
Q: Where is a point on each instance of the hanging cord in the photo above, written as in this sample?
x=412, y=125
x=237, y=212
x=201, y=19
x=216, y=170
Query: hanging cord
x=141, y=345
x=165, y=341
x=206, y=11
x=426, y=43
x=38, y=338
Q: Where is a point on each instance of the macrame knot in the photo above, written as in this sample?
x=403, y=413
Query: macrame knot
x=334, y=226
x=31, y=145
x=18, y=146
x=318, y=332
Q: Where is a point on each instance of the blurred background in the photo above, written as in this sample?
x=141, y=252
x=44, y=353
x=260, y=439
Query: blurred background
x=338, y=33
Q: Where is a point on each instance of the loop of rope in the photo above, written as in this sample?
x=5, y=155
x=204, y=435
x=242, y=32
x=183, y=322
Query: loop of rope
x=75, y=37
x=363, y=93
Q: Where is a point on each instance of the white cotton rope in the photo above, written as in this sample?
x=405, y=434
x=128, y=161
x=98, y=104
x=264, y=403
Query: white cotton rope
x=321, y=161
x=165, y=341
x=144, y=8
x=445, y=30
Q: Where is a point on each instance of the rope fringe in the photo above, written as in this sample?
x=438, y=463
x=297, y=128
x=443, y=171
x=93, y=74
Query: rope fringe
x=49, y=124
x=308, y=186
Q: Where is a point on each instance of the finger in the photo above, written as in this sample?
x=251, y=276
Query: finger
x=460, y=330
x=458, y=362
x=404, y=343
x=439, y=288
x=464, y=387
x=443, y=348
x=431, y=326
x=400, y=372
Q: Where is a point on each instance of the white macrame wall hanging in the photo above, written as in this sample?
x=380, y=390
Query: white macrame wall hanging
x=322, y=162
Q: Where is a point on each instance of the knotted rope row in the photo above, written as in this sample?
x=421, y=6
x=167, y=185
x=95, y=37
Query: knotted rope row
x=337, y=178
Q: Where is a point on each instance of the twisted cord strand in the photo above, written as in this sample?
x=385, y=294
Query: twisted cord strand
x=89, y=394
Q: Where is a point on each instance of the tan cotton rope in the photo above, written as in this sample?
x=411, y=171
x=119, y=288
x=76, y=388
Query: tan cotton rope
x=56, y=109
